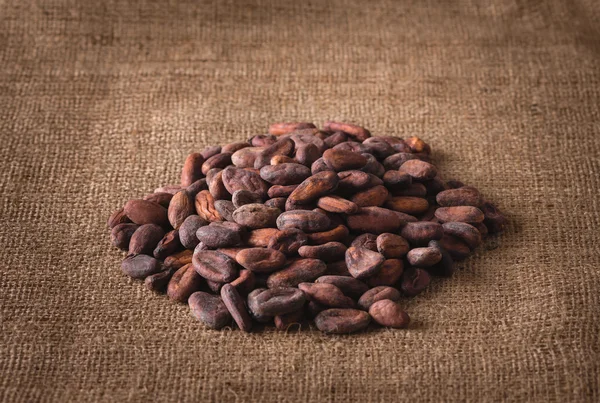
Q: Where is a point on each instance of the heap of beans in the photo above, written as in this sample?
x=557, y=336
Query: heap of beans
x=332, y=224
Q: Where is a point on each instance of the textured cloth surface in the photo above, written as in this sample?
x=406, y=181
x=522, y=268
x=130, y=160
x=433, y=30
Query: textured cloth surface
x=100, y=102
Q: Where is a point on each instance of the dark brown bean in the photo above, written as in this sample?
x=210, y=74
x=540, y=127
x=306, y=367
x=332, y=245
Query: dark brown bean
x=466, y=214
x=377, y=294
x=276, y=301
x=420, y=233
x=121, y=234
x=342, y=321
x=327, y=252
x=218, y=235
x=392, y=245
x=298, y=271
x=414, y=281
x=304, y=220
x=463, y=196
x=118, y=217
x=158, y=282
x=339, y=233
x=389, y=274
x=389, y=314
x=316, y=186
x=146, y=212
x=375, y=220
x=184, y=283
x=215, y=266
x=326, y=294
x=192, y=169
x=168, y=245
x=349, y=285
x=261, y=260
x=209, y=309
x=145, y=239
x=362, y=262
x=287, y=241
x=140, y=266
x=236, y=307
x=465, y=232
x=424, y=257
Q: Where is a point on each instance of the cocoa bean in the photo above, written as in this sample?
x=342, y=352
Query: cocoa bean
x=342, y=321
x=392, y=245
x=236, y=307
x=299, y=271
x=146, y=212
x=256, y=216
x=326, y=294
x=121, y=234
x=192, y=169
x=328, y=252
x=209, y=309
x=362, y=262
x=215, y=266
x=144, y=239
x=140, y=266
x=377, y=294
x=304, y=220
x=389, y=314
x=261, y=260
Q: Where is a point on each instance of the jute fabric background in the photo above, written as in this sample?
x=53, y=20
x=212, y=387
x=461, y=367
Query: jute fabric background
x=100, y=101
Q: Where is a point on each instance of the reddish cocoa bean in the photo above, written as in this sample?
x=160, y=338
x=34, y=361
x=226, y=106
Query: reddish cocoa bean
x=144, y=239
x=304, y=220
x=368, y=241
x=118, y=217
x=209, y=309
x=466, y=214
x=372, y=197
x=236, y=307
x=328, y=252
x=342, y=321
x=362, y=262
x=389, y=274
x=184, y=283
x=220, y=160
x=121, y=234
x=349, y=285
x=261, y=260
x=146, y=212
x=389, y=314
x=377, y=294
x=192, y=169
x=162, y=198
x=420, y=233
x=339, y=233
x=414, y=281
x=392, y=245
x=326, y=294
x=168, y=245
x=276, y=301
x=356, y=132
x=140, y=266
x=215, y=266
x=299, y=271
x=277, y=129
x=375, y=220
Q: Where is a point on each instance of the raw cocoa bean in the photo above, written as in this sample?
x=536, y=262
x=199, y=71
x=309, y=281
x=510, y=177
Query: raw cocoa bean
x=118, y=217
x=236, y=307
x=396, y=180
x=179, y=259
x=192, y=169
x=261, y=260
x=282, y=159
x=463, y=196
x=465, y=232
x=335, y=139
x=144, y=239
x=245, y=157
x=307, y=154
x=354, y=181
x=377, y=294
x=284, y=146
x=419, y=170
x=389, y=314
x=395, y=161
x=337, y=269
x=466, y=214
x=408, y=205
x=216, y=186
x=146, y=212
x=180, y=208
x=278, y=203
x=342, y=321
x=285, y=174
x=412, y=190
x=299, y=271
x=375, y=220
x=121, y=234
x=210, y=151
x=314, y=187
x=209, y=309
x=349, y=285
x=263, y=140
x=236, y=179
x=424, y=257
x=319, y=166
x=233, y=147
x=276, y=301
x=373, y=166
x=245, y=282
x=225, y=208
x=337, y=204
x=168, y=189
x=205, y=207
x=256, y=216
x=417, y=145
x=304, y=220
x=281, y=191
x=218, y=235
x=494, y=220
x=187, y=231
x=326, y=294
x=162, y=198
x=158, y=282
x=341, y=160
x=339, y=233
x=261, y=237
x=215, y=266
x=328, y=252
x=277, y=129
x=375, y=196
x=378, y=147
x=455, y=247
x=389, y=274
x=168, y=245
x=420, y=233
x=356, y=132
x=287, y=241
x=197, y=187
x=362, y=262
x=243, y=197
x=220, y=160
x=140, y=266
x=367, y=241
x=392, y=245
x=288, y=320
x=414, y=281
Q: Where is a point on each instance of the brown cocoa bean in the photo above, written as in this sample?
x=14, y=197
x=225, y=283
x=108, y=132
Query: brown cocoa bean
x=233, y=147
x=420, y=233
x=288, y=320
x=389, y=314
x=375, y=220
x=281, y=191
x=215, y=266
x=144, y=239
x=205, y=207
x=414, y=281
x=243, y=197
x=326, y=294
x=285, y=174
x=463, y=196
x=389, y=274
x=392, y=245
x=140, y=266
x=337, y=204
x=209, y=309
x=216, y=186
x=218, y=236
x=355, y=181
x=284, y=146
x=494, y=220
x=225, y=208
x=180, y=208
x=335, y=139
x=287, y=241
x=372, y=197
x=245, y=157
x=465, y=232
x=168, y=245
x=236, y=179
x=342, y=321
x=282, y=159
x=319, y=166
x=220, y=160
x=256, y=216
x=395, y=161
x=419, y=170
x=341, y=160
x=349, y=285
x=396, y=180
x=412, y=190
x=466, y=214
x=236, y=307
x=261, y=237
x=299, y=271
x=262, y=140
x=146, y=212
x=362, y=262
x=339, y=233
x=278, y=203
x=168, y=189
x=192, y=169
x=210, y=151
x=377, y=294
x=179, y=259
x=261, y=260
x=162, y=198
x=307, y=154
x=408, y=205
x=245, y=282
x=367, y=241
x=417, y=145
x=277, y=129
x=276, y=301
x=356, y=132
x=314, y=187
x=187, y=231
x=197, y=187
x=118, y=217
x=424, y=257
x=338, y=269
x=231, y=252
x=378, y=147
x=120, y=236
x=328, y=252
x=304, y=220
x=373, y=166
x=158, y=282
x=457, y=249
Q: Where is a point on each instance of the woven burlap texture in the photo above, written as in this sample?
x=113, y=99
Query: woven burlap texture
x=100, y=102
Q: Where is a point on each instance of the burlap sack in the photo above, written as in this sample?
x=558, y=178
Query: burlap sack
x=101, y=102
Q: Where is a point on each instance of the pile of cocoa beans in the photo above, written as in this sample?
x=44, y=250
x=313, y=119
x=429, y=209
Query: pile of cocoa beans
x=331, y=224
